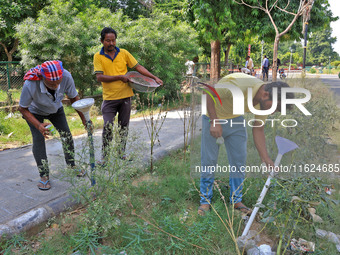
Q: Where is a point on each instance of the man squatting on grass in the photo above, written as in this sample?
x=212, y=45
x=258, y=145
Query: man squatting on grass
x=110, y=67
x=43, y=90
x=235, y=136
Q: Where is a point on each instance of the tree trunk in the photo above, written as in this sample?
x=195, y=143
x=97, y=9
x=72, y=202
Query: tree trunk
x=215, y=61
x=276, y=47
x=9, y=54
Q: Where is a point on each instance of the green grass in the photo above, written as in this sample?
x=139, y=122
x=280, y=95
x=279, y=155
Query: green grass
x=15, y=93
x=166, y=201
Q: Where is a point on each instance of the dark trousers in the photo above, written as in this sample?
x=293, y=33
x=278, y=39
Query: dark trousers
x=109, y=110
x=58, y=120
x=265, y=72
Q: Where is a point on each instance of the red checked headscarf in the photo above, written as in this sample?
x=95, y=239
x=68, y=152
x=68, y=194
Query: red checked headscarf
x=50, y=70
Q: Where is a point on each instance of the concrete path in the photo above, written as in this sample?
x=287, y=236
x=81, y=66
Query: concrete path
x=23, y=205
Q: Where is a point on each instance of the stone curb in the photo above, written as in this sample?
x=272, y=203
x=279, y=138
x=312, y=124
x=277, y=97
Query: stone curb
x=37, y=216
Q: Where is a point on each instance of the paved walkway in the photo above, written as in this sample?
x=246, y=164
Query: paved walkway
x=23, y=205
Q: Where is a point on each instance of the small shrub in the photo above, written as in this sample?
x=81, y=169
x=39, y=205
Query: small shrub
x=335, y=63
x=85, y=240
x=312, y=70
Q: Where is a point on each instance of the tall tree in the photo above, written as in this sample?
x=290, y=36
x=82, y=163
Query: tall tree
x=13, y=12
x=283, y=16
x=320, y=47
x=212, y=18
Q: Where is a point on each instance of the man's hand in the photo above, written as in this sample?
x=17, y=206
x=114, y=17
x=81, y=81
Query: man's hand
x=141, y=69
x=43, y=130
x=215, y=130
x=269, y=162
x=89, y=125
x=159, y=81
x=124, y=78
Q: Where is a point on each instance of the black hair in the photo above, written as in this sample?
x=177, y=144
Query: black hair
x=107, y=30
x=279, y=85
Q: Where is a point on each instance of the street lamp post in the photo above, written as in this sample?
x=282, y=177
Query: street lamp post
x=290, y=61
x=329, y=65
x=262, y=42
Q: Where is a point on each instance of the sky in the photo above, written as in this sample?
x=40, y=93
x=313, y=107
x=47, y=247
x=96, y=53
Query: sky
x=335, y=7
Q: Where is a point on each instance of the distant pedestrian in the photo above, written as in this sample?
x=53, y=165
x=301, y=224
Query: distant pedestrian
x=250, y=65
x=245, y=68
x=190, y=67
x=265, y=67
x=278, y=63
x=43, y=90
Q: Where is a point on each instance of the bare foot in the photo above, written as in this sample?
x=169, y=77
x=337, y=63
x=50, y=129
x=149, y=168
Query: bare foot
x=202, y=209
x=242, y=208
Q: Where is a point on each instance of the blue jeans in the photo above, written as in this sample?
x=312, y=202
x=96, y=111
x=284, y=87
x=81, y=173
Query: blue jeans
x=265, y=71
x=235, y=141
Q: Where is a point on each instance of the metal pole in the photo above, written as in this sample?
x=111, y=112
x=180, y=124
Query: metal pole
x=92, y=158
x=305, y=47
x=262, y=42
x=290, y=61
x=8, y=76
x=329, y=65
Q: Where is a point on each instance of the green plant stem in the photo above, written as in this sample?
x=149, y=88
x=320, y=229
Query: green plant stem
x=291, y=233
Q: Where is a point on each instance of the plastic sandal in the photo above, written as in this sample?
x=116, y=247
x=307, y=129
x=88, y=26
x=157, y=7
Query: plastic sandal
x=80, y=172
x=44, y=183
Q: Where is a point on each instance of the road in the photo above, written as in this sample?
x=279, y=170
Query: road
x=331, y=80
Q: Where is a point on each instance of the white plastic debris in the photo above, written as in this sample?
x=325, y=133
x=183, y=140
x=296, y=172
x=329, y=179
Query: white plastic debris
x=329, y=191
x=263, y=249
x=184, y=217
x=302, y=245
x=12, y=115
x=220, y=140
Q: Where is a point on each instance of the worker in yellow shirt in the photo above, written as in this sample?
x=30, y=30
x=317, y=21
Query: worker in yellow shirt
x=110, y=67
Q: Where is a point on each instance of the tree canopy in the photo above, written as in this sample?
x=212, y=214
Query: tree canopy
x=64, y=32
x=13, y=12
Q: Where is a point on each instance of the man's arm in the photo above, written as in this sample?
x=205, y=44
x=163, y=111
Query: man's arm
x=36, y=123
x=260, y=143
x=215, y=129
x=108, y=78
x=145, y=72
